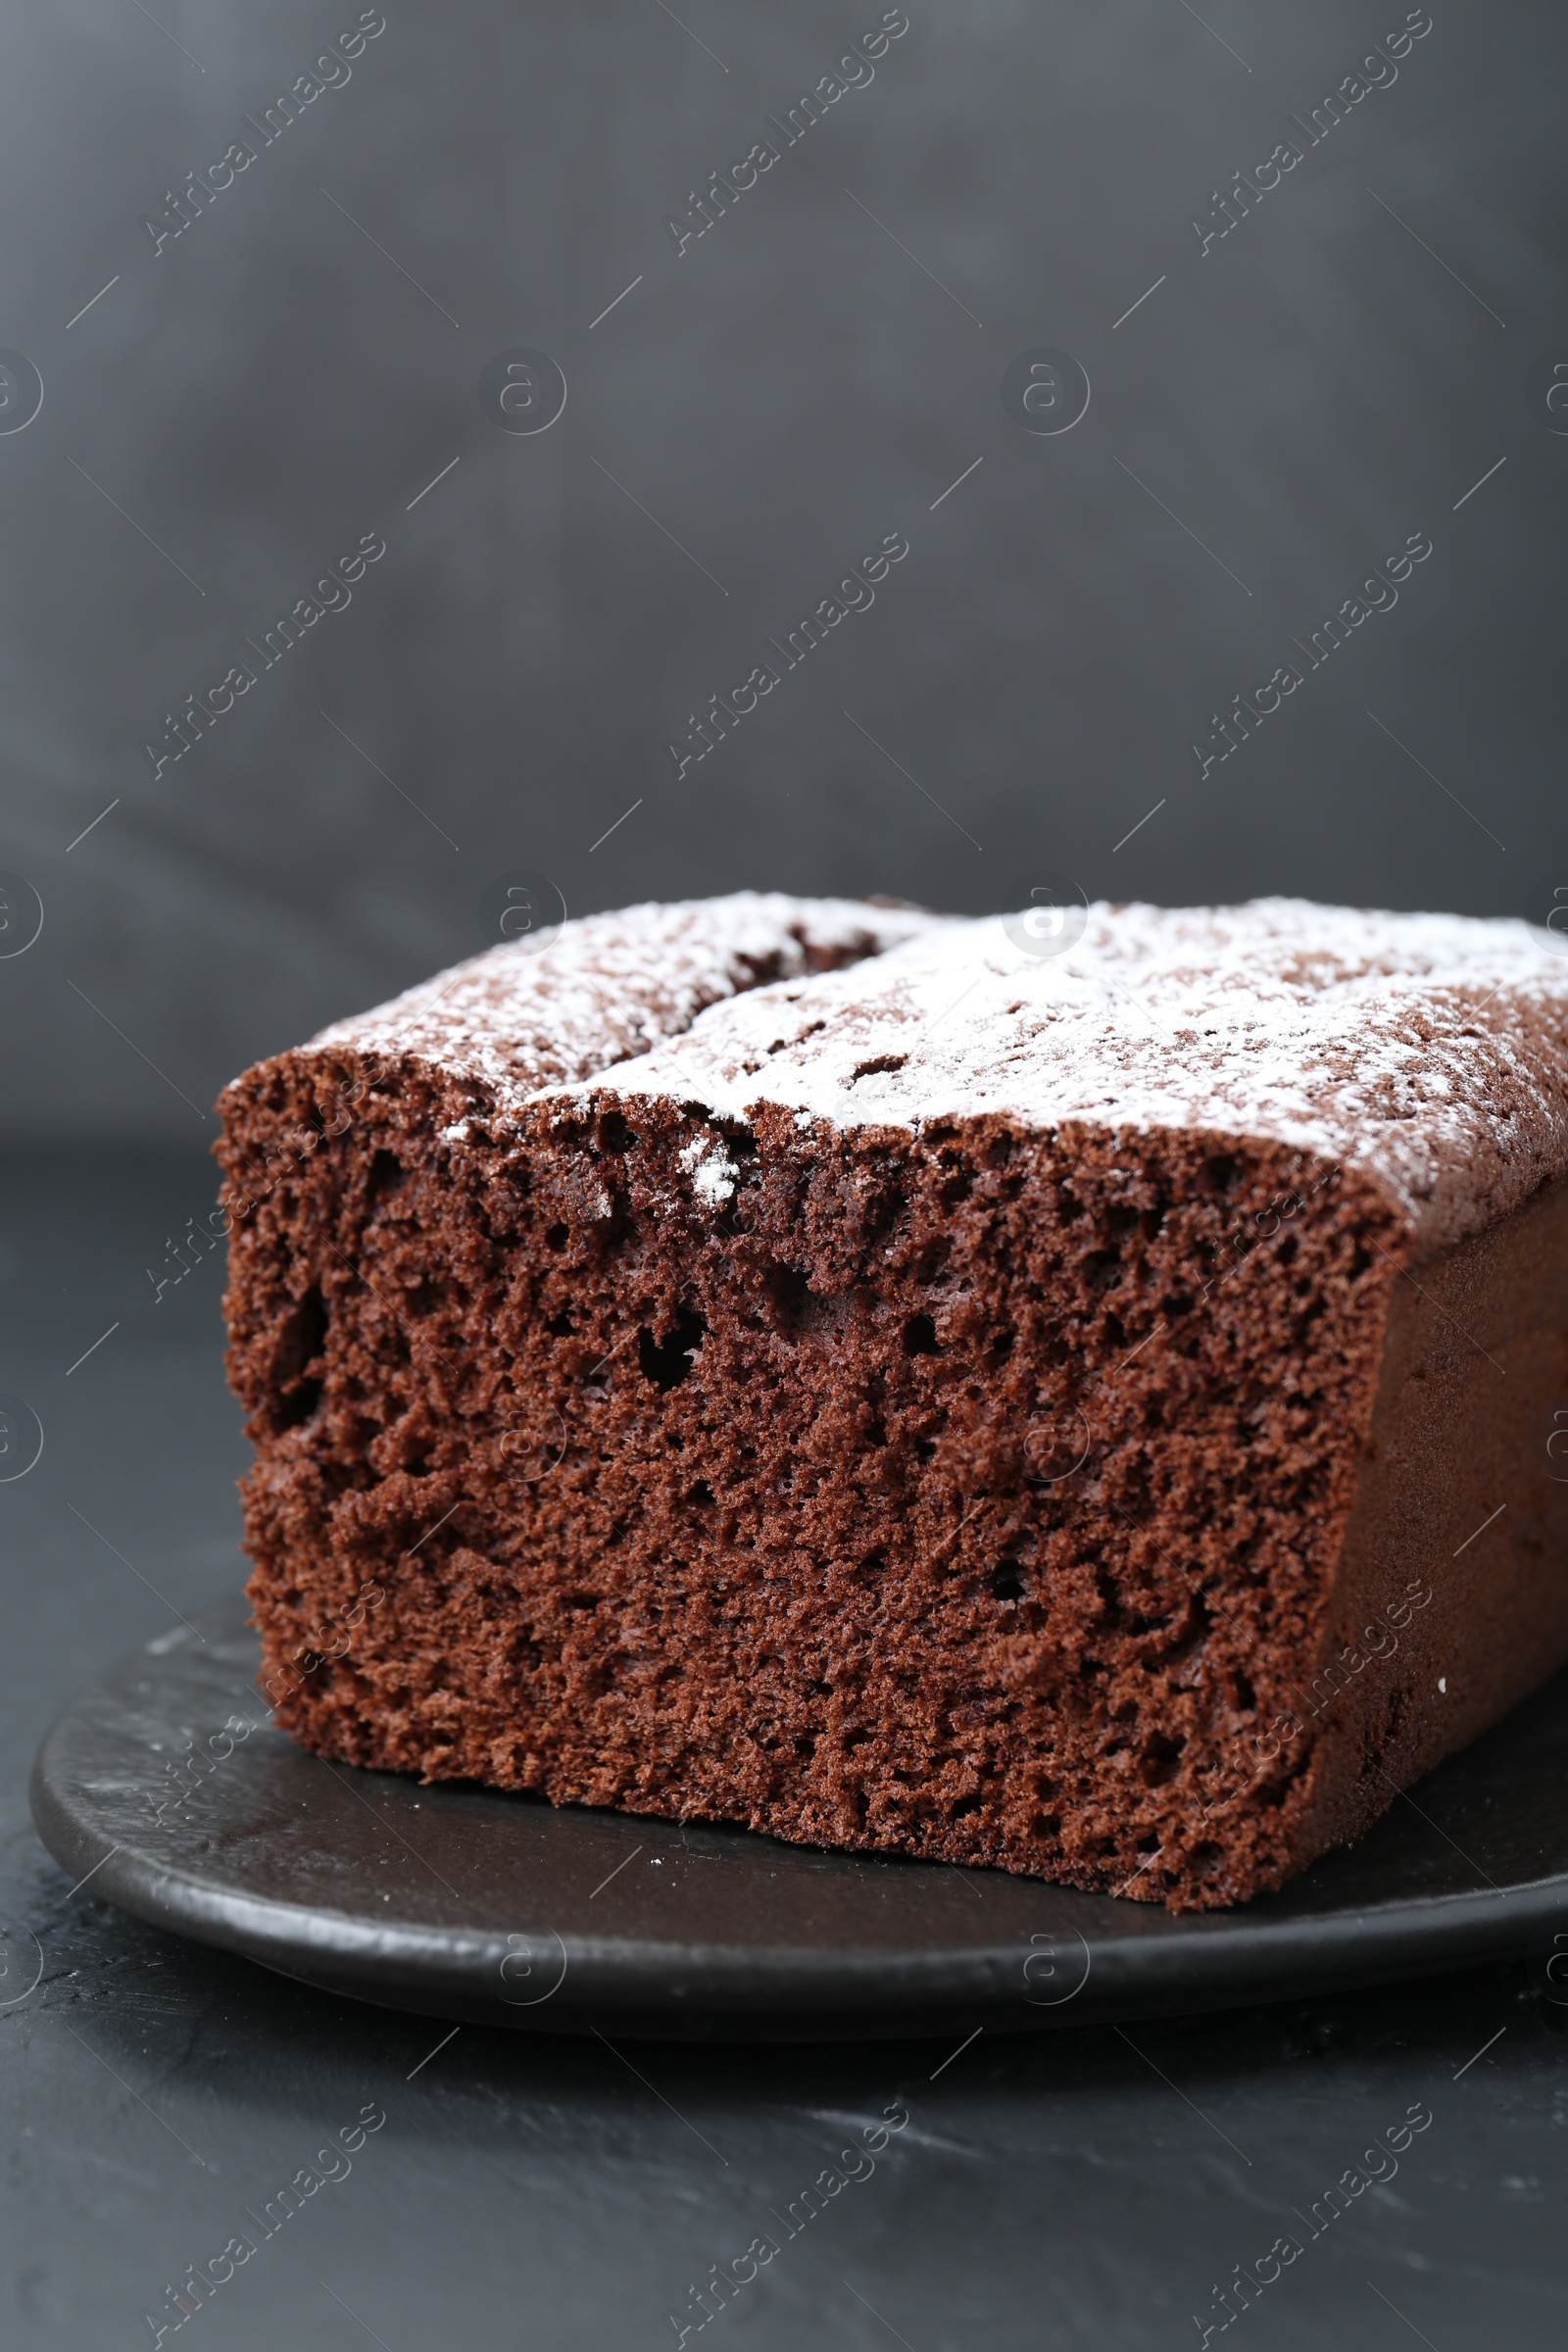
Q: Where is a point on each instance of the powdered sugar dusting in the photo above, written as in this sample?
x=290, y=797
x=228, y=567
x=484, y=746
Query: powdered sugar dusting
x=1430, y=1052
x=608, y=987
x=712, y=1172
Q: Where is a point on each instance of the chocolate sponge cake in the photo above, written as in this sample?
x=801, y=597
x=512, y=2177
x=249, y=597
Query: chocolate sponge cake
x=824, y=1366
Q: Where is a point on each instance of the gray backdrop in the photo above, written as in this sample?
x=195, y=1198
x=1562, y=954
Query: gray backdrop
x=1291, y=402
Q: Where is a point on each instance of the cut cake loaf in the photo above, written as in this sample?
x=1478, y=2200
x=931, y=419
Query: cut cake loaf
x=823, y=1366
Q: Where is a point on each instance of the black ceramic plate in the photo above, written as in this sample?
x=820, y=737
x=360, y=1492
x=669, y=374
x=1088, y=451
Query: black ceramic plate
x=471, y=1904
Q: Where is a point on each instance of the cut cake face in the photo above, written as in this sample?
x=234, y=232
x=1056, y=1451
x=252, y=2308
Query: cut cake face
x=824, y=1366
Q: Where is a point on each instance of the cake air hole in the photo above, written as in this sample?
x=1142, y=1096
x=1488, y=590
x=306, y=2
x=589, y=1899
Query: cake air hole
x=387, y=1175
x=666, y=1362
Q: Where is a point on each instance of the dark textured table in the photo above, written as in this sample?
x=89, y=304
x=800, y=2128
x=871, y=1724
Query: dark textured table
x=365, y=2177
